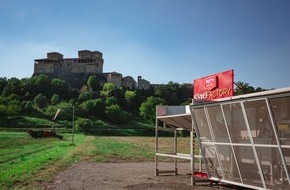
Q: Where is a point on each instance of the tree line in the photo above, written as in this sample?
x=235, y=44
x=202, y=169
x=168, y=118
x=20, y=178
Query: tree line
x=41, y=96
x=95, y=104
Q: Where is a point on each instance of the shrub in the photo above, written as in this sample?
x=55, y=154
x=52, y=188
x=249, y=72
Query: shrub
x=65, y=111
x=82, y=124
x=55, y=99
x=116, y=115
x=84, y=96
x=40, y=101
x=148, y=108
x=90, y=126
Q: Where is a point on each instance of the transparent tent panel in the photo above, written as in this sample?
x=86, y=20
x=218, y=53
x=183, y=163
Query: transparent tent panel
x=247, y=141
x=202, y=124
x=218, y=124
x=212, y=161
x=281, y=111
x=236, y=123
x=272, y=167
x=248, y=166
x=228, y=163
x=259, y=120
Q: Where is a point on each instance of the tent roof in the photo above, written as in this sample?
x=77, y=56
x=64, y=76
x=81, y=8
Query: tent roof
x=177, y=121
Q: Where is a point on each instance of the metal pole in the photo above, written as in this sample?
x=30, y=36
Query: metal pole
x=73, y=126
x=175, y=152
x=156, y=148
x=192, y=157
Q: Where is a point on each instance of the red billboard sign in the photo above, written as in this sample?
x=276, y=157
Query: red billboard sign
x=215, y=86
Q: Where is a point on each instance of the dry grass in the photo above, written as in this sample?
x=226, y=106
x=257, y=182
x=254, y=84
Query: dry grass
x=165, y=144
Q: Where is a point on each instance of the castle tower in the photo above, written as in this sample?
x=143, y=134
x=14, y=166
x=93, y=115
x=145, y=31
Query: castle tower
x=143, y=84
x=115, y=78
x=54, y=55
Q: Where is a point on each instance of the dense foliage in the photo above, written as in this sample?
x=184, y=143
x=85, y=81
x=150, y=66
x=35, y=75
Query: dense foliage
x=94, y=104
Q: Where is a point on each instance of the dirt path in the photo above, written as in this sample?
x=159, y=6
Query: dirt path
x=124, y=176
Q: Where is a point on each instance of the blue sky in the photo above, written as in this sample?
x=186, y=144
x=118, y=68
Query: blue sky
x=161, y=40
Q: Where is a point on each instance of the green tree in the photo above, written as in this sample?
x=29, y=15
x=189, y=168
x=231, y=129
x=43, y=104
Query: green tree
x=94, y=83
x=130, y=99
x=243, y=88
x=55, y=99
x=82, y=124
x=14, y=108
x=130, y=95
x=185, y=93
x=108, y=90
x=42, y=84
x=111, y=101
x=3, y=83
x=148, y=108
x=142, y=95
x=84, y=96
x=58, y=86
x=95, y=108
x=12, y=97
x=174, y=93
x=10, y=106
x=100, y=108
x=27, y=107
x=40, y=101
x=13, y=87
x=66, y=111
x=28, y=89
x=115, y=114
x=168, y=93
x=3, y=110
x=88, y=107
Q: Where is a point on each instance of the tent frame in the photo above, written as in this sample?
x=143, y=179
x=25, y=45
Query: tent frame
x=174, y=120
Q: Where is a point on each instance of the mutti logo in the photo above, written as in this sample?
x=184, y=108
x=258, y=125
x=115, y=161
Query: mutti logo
x=210, y=83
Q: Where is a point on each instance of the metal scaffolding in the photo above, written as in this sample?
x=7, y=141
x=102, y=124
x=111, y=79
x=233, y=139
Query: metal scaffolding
x=174, y=118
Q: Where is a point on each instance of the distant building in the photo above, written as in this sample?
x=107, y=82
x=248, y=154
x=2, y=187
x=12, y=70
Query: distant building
x=76, y=71
x=129, y=83
x=115, y=78
x=55, y=64
x=143, y=84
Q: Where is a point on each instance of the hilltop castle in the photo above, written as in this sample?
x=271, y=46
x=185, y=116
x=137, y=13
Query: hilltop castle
x=76, y=71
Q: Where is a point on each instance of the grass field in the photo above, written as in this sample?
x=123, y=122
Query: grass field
x=21, y=157
x=25, y=161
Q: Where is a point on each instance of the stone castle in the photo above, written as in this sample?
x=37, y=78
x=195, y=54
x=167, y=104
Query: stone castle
x=76, y=71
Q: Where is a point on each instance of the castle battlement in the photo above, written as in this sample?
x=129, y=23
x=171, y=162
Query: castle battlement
x=77, y=70
x=87, y=62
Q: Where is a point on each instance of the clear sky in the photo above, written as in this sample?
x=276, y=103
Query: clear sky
x=161, y=40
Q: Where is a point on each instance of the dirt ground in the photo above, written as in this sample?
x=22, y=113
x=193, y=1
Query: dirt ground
x=123, y=176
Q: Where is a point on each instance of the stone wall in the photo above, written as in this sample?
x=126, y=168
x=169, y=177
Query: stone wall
x=143, y=84
x=87, y=62
x=115, y=78
x=43, y=68
x=77, y=70
x=128, y=83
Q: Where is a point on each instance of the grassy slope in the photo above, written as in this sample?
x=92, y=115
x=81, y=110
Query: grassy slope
x=25, y=121
x=133, y=127
x=31, y=121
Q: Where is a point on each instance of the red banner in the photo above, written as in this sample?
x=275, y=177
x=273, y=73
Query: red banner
x=215, y=86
